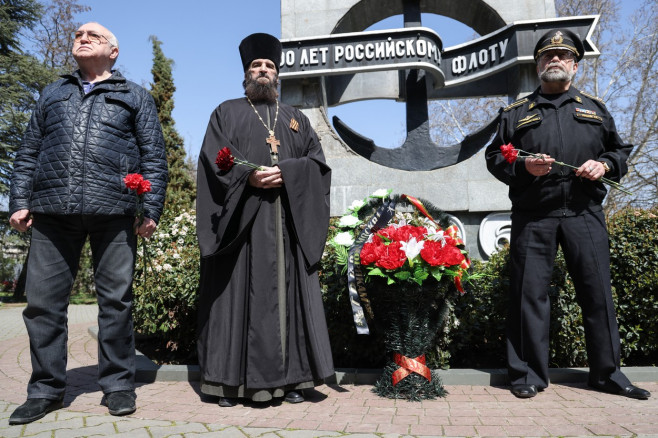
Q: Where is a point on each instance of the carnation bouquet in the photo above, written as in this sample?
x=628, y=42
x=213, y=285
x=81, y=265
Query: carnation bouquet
x=405, y=264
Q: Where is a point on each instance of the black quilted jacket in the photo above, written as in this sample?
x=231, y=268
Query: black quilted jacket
x=78, y=148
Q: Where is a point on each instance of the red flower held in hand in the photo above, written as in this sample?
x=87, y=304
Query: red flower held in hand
x=510, y=154
x=224, y=160
x=136, y=182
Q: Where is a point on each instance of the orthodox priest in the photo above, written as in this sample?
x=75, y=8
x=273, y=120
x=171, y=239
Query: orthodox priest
x=261, y=226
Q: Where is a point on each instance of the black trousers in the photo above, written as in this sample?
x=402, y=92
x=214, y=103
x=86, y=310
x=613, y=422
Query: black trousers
x=52, y=265
x=533, y=246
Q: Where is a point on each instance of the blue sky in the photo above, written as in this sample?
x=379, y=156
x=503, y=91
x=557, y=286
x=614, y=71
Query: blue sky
x=202, y=38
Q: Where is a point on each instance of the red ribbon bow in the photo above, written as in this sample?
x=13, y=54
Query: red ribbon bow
x=408, y=366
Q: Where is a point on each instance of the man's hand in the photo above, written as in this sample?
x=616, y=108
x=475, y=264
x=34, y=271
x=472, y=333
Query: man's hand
x=591, y=170
x=539, y=166
x=268, y=178
x=146, y=229
x=21, y=220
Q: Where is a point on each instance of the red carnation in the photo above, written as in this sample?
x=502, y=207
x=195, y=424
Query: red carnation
x=509, y=152
x=133, y=181
x=224, y=159
x=437, y=254
x=144, y=186
x=391, y=256
x=369, y=254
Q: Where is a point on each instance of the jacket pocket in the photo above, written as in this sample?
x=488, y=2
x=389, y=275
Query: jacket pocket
x=119, y=112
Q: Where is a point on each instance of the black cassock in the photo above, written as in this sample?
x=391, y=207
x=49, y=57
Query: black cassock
x=261, y=326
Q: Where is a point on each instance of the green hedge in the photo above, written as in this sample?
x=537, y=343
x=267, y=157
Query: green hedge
x=474, y=336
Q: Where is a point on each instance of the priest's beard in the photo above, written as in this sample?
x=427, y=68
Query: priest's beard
x=257, y=92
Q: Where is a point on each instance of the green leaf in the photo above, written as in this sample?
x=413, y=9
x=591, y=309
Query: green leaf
x=402, y=275
x=376, y=272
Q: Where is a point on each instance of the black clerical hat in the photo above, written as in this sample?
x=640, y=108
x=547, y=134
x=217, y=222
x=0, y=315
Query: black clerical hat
x=560, y=39
x=260, y=46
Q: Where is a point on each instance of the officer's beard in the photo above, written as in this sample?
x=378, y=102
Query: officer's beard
x=257, y=92
x=556, y=75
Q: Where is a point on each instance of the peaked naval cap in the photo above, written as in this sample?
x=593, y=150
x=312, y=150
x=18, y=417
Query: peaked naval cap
x=560, y=39
x=260, y=46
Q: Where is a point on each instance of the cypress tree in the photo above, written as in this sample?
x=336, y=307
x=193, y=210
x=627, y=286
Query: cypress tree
x=181, y=191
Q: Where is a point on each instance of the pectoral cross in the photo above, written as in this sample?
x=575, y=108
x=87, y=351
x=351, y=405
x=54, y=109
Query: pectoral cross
x=273, y=142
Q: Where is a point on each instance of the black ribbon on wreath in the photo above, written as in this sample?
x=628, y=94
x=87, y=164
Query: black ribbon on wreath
x=355, y=284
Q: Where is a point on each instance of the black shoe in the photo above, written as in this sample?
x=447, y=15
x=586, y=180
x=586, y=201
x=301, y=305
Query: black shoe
x=225, y=402
x=33, y=409
x=294, y=397
x=120, y=402
x=632, y=391
x=524, y=390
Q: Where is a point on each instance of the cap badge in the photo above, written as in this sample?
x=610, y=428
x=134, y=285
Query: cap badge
x=557, y=38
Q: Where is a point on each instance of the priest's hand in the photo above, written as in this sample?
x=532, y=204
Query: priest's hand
x=268, y=178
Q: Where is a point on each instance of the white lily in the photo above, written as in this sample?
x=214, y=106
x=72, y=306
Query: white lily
x=412, y=248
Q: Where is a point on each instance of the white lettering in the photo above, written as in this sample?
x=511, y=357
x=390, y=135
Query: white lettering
x=421, y=47
x=289, y=58
x=338, y=53
x=303, y=60
x=399, y=49
x=379, y=50
x=474, y=62
x=492, y=51
x=503, y=47
x=349, y=53
x=459, y=65
x=431, y=51
x=314, y=57
x=410, y=48
x=390, y=48
x=484, y=57
x=358, y=52
x=324, y=51
x=370, y=51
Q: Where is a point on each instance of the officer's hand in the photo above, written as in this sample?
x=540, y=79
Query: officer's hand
x=146, y=229
x=21, y=220
x=268, y=178
x=539, y=166
x=591, y=170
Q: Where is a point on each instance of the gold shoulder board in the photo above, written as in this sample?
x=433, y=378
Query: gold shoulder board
x=515, y=104
x=592, y=97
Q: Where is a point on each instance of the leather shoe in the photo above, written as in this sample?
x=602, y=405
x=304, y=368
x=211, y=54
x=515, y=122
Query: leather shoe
x=33, y=409
x=524, y=390
x=225, y=402
x=120, y=402
x=294, y=397
x=632, y=391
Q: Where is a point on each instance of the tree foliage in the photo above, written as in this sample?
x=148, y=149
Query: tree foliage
x=181, y=189
x=22, y=76
x=624, y=76
x=53, y=38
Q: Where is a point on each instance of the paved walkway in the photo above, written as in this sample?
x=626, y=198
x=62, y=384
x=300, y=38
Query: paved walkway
x=177, y=409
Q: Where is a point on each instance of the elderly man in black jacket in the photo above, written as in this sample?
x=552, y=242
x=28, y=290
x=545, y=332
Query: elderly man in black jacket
x=88, y=131
x=555, y=205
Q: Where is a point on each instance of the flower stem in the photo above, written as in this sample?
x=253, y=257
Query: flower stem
x=611, y=183
x=247, y=163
